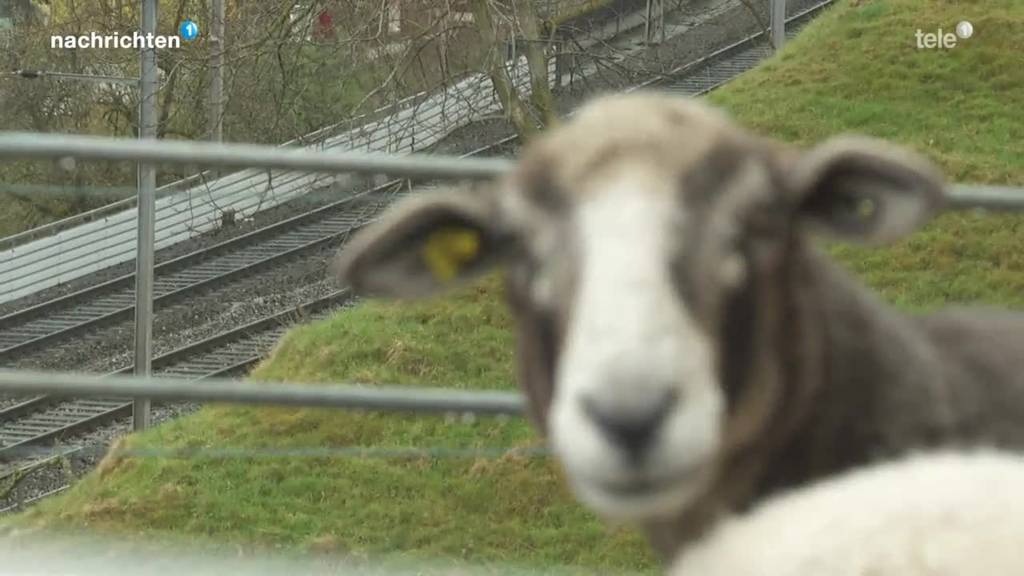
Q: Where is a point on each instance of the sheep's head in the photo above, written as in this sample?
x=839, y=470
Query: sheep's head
x=627, y=236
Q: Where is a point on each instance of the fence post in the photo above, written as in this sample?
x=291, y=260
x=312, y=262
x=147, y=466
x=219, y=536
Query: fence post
x=216, y=104
x=661, y=19
x=647, y=23
x=778, y=23
x=147, y=216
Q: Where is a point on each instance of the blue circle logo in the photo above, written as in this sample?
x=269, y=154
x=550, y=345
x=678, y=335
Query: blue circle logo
x=188, y=30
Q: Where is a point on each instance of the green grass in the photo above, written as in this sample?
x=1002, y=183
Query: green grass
x=508, y=509
x=854, y=69
x=858, y=70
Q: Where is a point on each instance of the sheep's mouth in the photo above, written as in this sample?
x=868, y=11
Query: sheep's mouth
x=637, y=487
x=641, y=485
x=640, y=496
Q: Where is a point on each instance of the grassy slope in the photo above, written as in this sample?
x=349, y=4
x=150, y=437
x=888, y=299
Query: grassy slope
x=859, y=70
x=854, y=69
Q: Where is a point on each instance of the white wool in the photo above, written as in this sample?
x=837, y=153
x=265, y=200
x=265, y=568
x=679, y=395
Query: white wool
x=930, y=514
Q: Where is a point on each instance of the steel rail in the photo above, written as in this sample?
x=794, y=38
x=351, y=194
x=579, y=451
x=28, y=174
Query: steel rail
x=25, y=468
x=28, y=502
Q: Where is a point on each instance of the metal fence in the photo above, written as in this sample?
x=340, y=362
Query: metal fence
x=78, y=148
x=389, y=398
x=376, y=397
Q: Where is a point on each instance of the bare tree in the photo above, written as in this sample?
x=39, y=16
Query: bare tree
x=529, y=28
x=497, y=70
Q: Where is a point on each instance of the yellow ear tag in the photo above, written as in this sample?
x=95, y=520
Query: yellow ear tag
x=447, y=250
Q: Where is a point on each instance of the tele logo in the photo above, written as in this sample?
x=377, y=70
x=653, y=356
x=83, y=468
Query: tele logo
x=945, y=40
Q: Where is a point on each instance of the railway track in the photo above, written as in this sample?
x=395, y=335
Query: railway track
x=114, y=301
x=46, y=418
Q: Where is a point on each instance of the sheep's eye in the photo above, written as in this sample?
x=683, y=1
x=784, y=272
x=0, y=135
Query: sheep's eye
x=866, y=208
x=854, y=208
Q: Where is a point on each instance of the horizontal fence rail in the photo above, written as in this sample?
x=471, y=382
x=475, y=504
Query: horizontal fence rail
x=29, y=145
x=32, y=145
x=383, y=397
x=977, y=196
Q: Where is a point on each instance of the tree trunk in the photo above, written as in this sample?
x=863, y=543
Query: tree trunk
x=536, y=59
x=513, y=105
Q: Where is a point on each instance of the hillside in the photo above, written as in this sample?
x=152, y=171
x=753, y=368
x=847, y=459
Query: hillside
x=856, y=68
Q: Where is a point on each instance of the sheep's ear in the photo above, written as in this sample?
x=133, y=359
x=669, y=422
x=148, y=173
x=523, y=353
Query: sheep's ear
x=423, y=245
x=865, y=190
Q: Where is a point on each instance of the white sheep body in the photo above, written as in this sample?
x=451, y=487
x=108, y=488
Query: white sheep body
x=930, y=514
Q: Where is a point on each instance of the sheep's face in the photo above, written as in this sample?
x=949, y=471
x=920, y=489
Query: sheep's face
x=634, y=238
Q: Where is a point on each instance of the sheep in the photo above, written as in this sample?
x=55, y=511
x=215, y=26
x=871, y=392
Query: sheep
x=683, y=343
x=941, y=513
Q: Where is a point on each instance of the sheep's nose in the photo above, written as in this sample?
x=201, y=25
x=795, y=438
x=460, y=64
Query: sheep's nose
x=631, y=430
